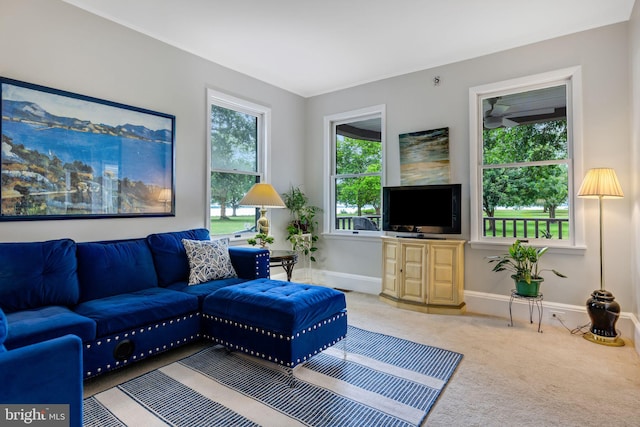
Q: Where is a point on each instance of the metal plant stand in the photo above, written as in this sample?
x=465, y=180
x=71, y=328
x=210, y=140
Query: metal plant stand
x=531, y=301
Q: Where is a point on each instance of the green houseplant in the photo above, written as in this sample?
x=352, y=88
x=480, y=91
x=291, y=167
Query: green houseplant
x=523, y=262
x=302, y=221
x=261, y=238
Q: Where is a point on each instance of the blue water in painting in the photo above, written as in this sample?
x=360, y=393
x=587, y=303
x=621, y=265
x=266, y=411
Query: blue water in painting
x=149, y=162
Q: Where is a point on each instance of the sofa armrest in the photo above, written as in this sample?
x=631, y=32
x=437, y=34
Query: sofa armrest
x=45, y=373
x=250, y=263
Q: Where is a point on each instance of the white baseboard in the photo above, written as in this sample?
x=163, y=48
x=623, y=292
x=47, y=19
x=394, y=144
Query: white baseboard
x=572, y=316
x=349, y=282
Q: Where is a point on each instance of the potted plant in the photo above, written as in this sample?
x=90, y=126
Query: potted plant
x=523, y=262
x=302, y=221
x=261, y=238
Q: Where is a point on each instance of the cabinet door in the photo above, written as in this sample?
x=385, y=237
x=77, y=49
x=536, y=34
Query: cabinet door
x=412, y=270
x=444, y=274
x=390, y=268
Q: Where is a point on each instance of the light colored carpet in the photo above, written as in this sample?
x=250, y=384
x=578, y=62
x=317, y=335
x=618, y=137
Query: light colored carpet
x=510, y=376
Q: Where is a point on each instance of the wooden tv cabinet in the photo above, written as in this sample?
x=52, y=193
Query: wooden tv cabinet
x=424, y=275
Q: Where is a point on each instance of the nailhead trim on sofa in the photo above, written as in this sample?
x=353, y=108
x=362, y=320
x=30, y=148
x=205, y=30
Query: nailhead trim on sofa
x=275, y=335
x=139, y=356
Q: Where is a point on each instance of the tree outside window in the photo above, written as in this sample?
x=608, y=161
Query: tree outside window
x=358, y=166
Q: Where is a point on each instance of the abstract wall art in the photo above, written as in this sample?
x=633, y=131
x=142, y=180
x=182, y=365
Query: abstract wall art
x=424, y=157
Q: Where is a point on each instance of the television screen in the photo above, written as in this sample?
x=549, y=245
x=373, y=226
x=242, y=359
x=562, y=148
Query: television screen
x=431, y=209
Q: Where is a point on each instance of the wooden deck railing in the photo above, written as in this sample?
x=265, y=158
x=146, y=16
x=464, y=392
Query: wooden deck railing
x=346, y=222
x=557, y=228
x=519, y=227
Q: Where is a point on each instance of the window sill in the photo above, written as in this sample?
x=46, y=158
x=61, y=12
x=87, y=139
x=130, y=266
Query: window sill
x=553, y=248
x=363, y=236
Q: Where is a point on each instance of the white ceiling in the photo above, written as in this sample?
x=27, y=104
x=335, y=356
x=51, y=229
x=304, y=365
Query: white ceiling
x=311, y=47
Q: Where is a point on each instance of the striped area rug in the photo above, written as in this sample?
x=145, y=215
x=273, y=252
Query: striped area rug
x=383, y=381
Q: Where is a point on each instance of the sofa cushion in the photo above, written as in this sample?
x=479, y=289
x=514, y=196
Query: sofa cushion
x=208, y=260
x=111, y=268
x=169, y=255
x=38, y=274
x=32, y=326
x=125, y=312
x=204, y=289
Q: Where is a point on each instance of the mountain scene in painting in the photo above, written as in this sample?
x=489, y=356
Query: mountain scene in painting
x=56, y=165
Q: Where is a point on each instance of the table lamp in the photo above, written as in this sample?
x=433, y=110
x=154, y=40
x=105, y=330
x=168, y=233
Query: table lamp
x=262, y=196
x=165, y=197
x=602, y=183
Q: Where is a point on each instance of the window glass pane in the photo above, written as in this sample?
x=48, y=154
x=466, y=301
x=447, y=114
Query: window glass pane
x=530, y=201
x=356, y=175
x=527, y=143
x=526, y=126
x=354, y=156
x=227, y=189
x=534, y=200
x=234, y=140
x=358, y=203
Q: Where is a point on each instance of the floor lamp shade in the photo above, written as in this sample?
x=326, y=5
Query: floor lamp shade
x=263, y=196
x=601, y=182
x=604, y=312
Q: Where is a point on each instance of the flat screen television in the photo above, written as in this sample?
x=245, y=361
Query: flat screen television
x=431, y=209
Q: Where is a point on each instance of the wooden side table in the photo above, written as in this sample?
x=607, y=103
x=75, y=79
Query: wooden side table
x=284, y=259
x=531, y=301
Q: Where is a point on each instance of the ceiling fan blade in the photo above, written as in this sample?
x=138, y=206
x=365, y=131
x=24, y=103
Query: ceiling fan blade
x=491, y=122
x=508, y=123
x=500, y=109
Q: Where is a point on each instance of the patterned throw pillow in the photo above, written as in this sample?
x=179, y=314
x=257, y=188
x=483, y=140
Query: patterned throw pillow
x=208, y=260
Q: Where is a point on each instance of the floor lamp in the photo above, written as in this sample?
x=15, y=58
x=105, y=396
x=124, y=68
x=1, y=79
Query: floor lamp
x=263, y=196
x=602, y=183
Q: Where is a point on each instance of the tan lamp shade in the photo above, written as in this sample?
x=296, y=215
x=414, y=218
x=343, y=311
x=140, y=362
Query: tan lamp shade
x=600, y=182
x=263, y=196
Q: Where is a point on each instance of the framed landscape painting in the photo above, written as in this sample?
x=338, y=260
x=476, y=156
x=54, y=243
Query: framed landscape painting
x=424, y=157
x=66, y=155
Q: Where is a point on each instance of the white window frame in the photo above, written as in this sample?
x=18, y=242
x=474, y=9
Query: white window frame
x=573, y=78
x=263, y=115
x=330, y=124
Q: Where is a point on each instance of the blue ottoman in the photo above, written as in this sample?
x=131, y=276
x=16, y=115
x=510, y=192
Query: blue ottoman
x=284, y=322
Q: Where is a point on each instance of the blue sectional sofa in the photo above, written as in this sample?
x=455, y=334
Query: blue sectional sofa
x=71, y=311
x=125, y=299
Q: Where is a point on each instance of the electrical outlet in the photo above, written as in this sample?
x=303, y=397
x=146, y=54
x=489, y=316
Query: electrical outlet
x=557, y=315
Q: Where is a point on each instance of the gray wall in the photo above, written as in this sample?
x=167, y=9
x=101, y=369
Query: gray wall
x=54, y=44
x=413, y=103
